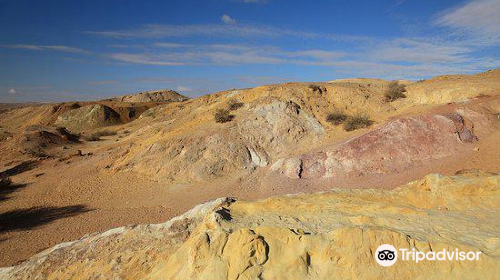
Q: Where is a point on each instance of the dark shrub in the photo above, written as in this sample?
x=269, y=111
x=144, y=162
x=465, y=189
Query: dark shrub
x=234, y=104
x=356, y=122
x=395, y=91
x=223, y=115
x=336, y=117
x=317, y=88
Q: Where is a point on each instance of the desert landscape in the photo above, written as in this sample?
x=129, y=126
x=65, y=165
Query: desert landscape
x=249, y=140
x=303, y=176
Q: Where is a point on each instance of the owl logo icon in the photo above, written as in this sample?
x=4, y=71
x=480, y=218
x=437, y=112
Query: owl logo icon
x=386, y=255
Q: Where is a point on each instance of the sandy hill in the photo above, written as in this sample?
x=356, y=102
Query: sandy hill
x=276, y=117
x=163, y=95
x=152, y=161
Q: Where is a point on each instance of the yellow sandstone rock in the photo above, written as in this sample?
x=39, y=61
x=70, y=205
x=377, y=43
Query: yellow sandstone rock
x=330, y=235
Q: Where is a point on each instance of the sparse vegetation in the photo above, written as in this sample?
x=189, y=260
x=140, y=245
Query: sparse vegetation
x=234, y=104
x=313, y=87
x=336, y=117
x=317, y=88
x=223, y=116
x=395, y=91
x=356, y=122
x=96, y=136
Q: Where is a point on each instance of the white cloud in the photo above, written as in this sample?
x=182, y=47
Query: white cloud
x=474, y=25
x=230, y=54
x=419, y=50
x=12, y=91
x=144, y=58
x=477, y=22
x=46, y=48
x=400, y=57
x=169, y=45
x=219, y=30
x=227, y=19
x=483, y=15
x=183, y=89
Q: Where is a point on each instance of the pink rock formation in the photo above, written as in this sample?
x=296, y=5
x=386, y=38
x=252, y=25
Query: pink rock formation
x=391, y=148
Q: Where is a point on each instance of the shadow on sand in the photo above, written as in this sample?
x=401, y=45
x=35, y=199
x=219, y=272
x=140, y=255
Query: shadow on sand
x=30, y=218
x=7, y=187
x=20, y=168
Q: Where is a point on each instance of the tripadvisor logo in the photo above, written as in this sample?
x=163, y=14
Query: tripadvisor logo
x=387, y=255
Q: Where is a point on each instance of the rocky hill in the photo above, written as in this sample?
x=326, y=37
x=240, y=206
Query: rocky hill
x=162, y=95
x=315, y=236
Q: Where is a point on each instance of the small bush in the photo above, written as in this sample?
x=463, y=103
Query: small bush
x=336, y=117
x=313, y=87
x=395, y=91
x=356, y=122
x=234, y=104
x=223, y=116
x=317, y=88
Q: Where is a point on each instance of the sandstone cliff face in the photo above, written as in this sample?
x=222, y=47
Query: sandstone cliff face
x=315, y=236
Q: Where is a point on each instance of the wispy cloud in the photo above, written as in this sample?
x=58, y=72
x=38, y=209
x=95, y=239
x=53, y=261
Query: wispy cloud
x=157, y=31
x=183, y=89
x=420, y=51
x=102, y=83
x=169, y=45
x=480, y=15
x=407, y=57
x=46, y=48
x=220, y=54
x=479, y=19
x=163, y=31
x=145, y=58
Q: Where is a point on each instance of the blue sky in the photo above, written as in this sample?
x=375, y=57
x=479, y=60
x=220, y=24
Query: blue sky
x=58, y=50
